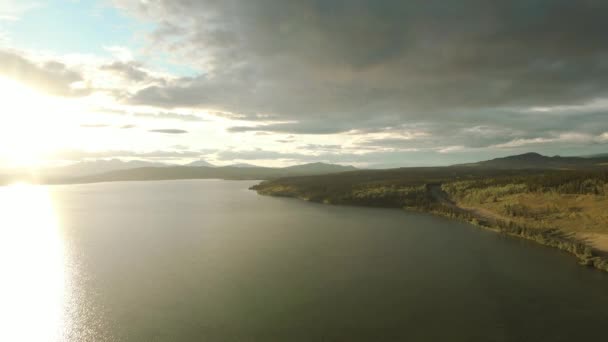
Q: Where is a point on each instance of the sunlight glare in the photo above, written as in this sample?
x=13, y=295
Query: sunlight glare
x=21, y=106
x=32, y=123
x=32, y=282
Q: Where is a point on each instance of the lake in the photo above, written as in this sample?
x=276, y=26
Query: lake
x=209, y=260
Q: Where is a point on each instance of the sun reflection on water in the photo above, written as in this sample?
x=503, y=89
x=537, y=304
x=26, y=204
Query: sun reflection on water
x=32, y=266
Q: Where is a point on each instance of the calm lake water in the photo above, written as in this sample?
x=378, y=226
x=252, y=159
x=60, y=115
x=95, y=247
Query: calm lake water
x=210, y=260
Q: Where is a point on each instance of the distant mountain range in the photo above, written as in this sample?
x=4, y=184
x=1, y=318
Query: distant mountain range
x=538, y=161
x=98, y=166
x=243, y=165
x=117, y=170
x=203, y=162
x=206, y=172
x=319, y=168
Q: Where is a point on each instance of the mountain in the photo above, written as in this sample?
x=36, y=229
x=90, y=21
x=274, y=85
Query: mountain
x=95, y=167
x=117, y=170
x=242, y=165
x=205, y=172
x=319, y=168
x=63, y=173
x=200, y=162
x=534, y=160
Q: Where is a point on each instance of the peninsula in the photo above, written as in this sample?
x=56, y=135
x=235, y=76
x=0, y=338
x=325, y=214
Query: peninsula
x=560, y=202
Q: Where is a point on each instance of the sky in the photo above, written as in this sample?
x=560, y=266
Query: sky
x=368, y=83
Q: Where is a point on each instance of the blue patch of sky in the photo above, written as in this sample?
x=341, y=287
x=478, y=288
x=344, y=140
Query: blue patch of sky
x=161, y=61
x=73, y=27
x=84, y=27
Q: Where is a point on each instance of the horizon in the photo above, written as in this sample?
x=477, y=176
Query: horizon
x=176, y=81
x=189, y=163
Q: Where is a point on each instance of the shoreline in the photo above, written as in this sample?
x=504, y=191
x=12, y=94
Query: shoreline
x=586, y=254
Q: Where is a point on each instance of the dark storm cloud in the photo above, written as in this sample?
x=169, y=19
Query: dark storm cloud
x=336, y=66
x=51, y=77
x=168, y=131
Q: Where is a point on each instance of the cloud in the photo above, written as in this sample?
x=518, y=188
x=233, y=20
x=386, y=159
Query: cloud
x=418, y=53
x=327, y=67
x=12, y=10
x=94, y=125
x=448, y=149
x=323, y=148
x=76, y=154
x=131, y=70
x=122, y=53
x=295, y=128
x=263, y=154
x=52, y=77
x=169, y=116
x=168, y=131
x=574, y=138
x=524, y=142
x=155, y=115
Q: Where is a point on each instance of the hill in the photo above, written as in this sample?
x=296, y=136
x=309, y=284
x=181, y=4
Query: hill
x=319, y=168
x=203, y=172
x=243, y=165
x=538, y=161
x=98, y=166
x=200, y=162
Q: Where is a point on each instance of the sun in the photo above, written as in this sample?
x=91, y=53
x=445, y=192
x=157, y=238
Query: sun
x=26, y=120
x=37, y=127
